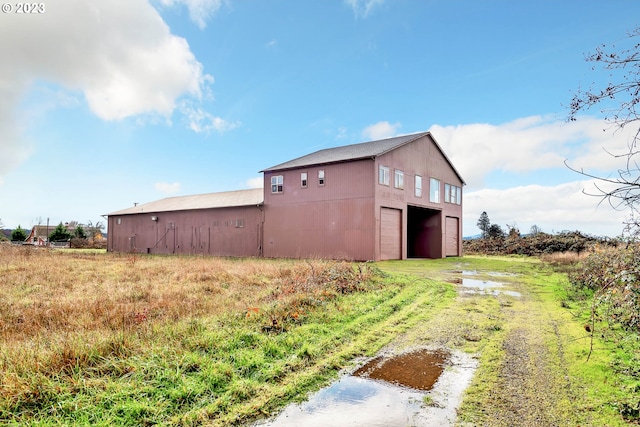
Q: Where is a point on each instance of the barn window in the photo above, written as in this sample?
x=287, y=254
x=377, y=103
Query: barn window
x=452, y=194
x=303, y=180
x=118, y=221
x=434, y=190
x=398, y=179
x=239, y=223
x=277, y=184
x=418, y=186
x=321, y=177
x=383, y=175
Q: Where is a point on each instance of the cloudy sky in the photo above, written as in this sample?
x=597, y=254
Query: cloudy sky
x=108, y=103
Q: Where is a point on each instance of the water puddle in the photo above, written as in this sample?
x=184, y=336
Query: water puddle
x=420, y=388
x=419, y=369
x=489, y=287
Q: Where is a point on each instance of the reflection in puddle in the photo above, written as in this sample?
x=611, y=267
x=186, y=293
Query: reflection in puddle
x=419, y=369
x=359, y=400
x=485, y=286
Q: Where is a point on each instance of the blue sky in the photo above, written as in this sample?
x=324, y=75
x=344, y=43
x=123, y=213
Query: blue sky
x=107, y=103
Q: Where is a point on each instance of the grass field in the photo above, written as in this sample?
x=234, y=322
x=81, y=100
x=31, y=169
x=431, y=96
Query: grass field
x=108, y=339
x=94, y=338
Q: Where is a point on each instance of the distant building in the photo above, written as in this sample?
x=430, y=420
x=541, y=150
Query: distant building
x=39, y=234
x=394, y=198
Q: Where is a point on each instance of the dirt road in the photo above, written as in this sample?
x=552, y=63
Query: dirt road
x=522, y=377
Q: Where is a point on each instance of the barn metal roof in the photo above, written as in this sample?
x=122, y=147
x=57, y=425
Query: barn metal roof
x=363, y=150
x=226, y=199
x=344, y=153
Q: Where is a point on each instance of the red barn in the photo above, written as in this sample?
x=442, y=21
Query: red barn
x=394, y=198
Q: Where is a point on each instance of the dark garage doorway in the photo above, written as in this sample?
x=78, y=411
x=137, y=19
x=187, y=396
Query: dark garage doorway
x=424, y=233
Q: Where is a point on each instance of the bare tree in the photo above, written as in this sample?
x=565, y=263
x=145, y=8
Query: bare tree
x=619, y=101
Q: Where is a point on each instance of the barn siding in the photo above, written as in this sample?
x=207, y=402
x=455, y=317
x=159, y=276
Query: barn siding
x=334, y=220
x=233, y=231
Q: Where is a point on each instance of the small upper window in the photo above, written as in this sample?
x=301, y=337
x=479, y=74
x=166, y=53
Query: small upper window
x=434, y=190
x=418, y=186
x=447, y=194
x=277, y=184
x=321, y=177
x=303, y=180
x=118, y=221
x=398, y=179
x=383, y=175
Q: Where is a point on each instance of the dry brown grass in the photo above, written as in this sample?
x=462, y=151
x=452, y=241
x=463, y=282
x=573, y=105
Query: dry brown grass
x=63, y=309
x=62, y=292
x=564, y=258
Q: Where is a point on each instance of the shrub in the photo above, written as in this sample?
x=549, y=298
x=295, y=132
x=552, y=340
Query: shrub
x=613, y=275
x=538, y=244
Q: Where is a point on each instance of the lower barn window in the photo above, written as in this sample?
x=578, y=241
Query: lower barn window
x=434, y=190
x=277, y=184
x=398, y=179
x=452, y=194
x=383, y=175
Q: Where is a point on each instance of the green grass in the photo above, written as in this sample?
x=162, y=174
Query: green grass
x=215, y=369
x=229, y=368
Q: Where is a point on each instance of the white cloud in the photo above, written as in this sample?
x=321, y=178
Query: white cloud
x=201, y=121
x=341, y=133
x=257, y=182
x=167, y=188
x=529, y=144
x=15, y=149
x=552, y=208
x=362, y=8
x=120, y=55
x=380, y=130
x=199, y=10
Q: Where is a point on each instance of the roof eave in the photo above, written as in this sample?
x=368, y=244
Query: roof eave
x=355, y=159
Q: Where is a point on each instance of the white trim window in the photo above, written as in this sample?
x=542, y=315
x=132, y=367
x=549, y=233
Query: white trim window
x=434, y=190
x=321, y=177
x=277, y=184
x=418, y=186
x=303, y=179
x=452, y=194
x=398, y=179
x=383, y=175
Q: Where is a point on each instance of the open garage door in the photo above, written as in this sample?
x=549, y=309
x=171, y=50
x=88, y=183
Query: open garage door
x=424, y=232
x=390, y=233
x=452, y=236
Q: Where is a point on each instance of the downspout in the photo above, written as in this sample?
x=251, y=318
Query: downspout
x=260, y=231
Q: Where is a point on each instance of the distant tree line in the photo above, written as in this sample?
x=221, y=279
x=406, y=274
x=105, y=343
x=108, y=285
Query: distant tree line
x=72, y=232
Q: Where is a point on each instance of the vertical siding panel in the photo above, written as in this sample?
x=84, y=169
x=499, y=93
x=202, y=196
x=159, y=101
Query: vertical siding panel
x=211, y=231
x=333, y=221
